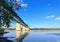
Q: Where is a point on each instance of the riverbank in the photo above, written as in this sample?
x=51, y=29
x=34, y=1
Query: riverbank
x=3, y=39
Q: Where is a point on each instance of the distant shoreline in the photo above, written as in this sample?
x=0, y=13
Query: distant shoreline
x=45, y=29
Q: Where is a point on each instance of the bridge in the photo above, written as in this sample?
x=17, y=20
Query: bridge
x=20, y=24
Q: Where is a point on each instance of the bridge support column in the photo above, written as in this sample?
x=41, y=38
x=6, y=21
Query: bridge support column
x=18, y=26
x=23, y=30
x=27, y=29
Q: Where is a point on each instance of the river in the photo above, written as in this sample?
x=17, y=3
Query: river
x=34, y=36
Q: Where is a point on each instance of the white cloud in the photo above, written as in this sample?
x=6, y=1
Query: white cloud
x=24, y=5
x=47, y=17
x=58, y=18
x=19, y=0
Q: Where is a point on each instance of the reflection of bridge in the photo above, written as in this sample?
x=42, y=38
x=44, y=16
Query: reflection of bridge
x=20, y=23
x=19, y=37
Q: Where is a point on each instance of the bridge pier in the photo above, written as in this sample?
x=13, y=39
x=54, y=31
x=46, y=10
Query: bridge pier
x=23, y=30
x=18, y=26
x=27, y=28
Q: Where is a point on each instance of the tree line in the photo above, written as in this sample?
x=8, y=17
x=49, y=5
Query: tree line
x=44, y=28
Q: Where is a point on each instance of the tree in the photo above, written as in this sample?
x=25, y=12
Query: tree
x=6, y=10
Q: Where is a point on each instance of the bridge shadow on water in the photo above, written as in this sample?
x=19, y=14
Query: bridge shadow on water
x=19, y=37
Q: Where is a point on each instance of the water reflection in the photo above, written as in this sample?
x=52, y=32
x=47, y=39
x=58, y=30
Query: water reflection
x=20, y=35
x=33, y=36
x=4, y=39
x=1, y=34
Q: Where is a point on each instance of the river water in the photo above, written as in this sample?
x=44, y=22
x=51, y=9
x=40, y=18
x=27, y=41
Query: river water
x=34, y=36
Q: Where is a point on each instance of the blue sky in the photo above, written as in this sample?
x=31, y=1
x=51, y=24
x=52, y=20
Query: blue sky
x=41, y=13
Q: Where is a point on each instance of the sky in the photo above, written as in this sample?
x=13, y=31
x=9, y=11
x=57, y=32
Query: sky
x=40, y=13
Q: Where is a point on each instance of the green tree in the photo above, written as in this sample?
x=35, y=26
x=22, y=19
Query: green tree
x=7, y=8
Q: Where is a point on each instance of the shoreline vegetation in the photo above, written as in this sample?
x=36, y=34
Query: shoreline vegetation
x=3, y=39
x=2, y=29
x=7, y=29
x=44, y=28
